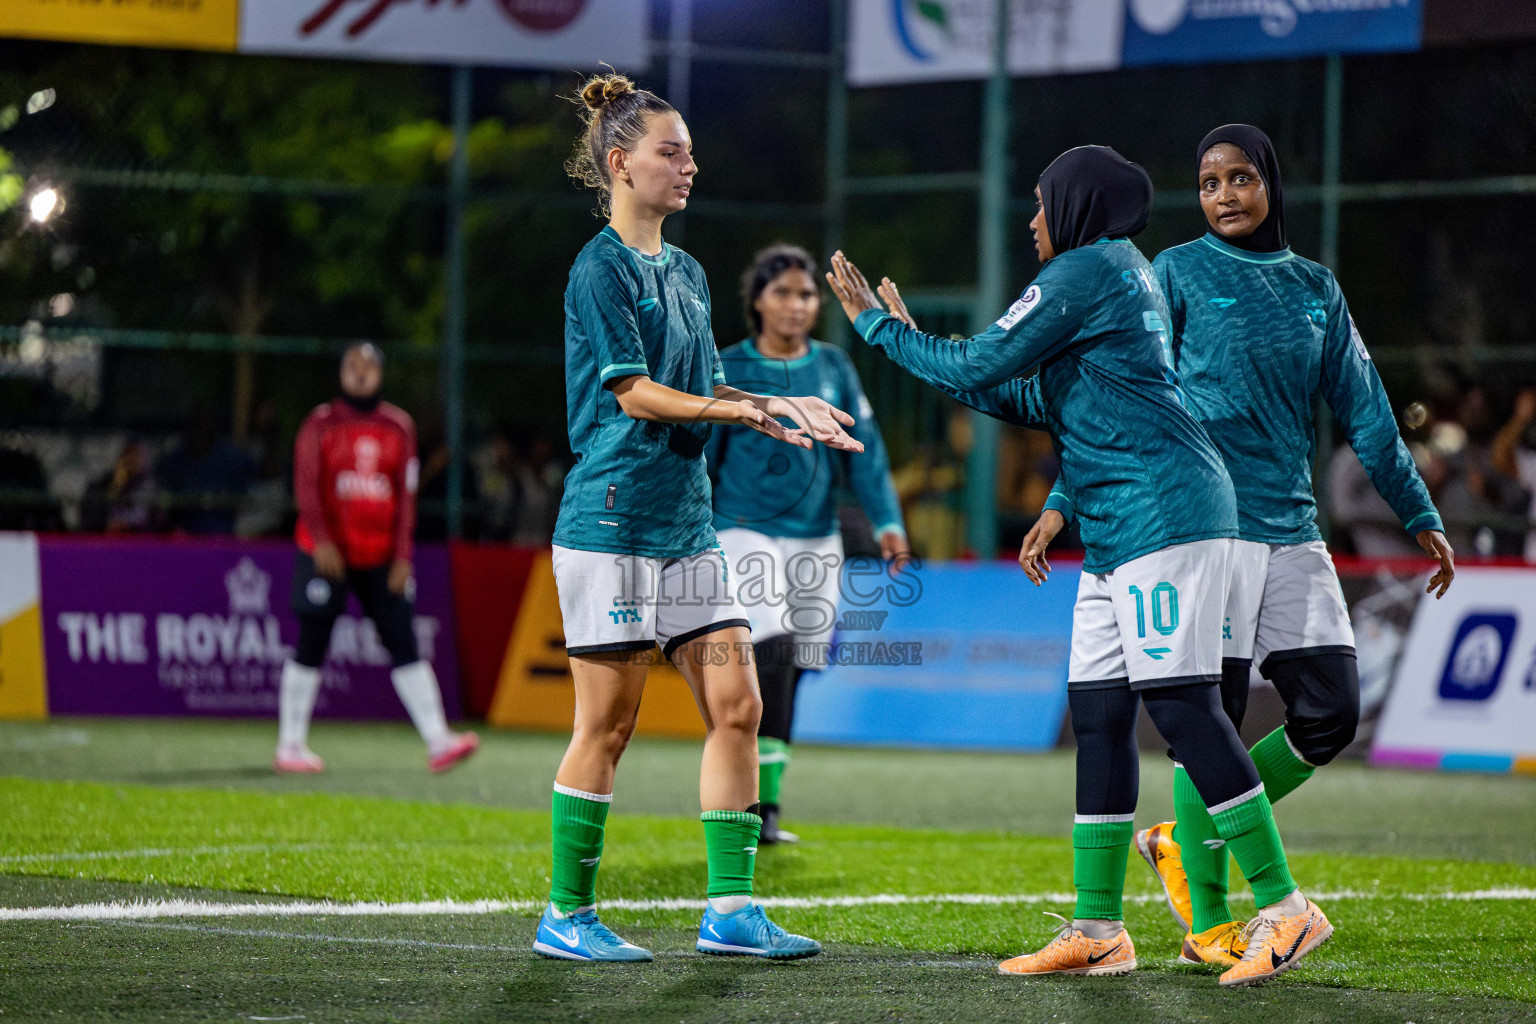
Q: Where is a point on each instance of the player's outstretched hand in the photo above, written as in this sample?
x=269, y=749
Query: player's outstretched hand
x=399, y=576
x=1434, y=542
x=893, y=302
x=850, y=287
x=749, y=415
x=1039, y=537
x=819, y=420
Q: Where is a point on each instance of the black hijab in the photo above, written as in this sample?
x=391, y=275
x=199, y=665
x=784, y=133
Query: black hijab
x=1270, y=234
x=1092, y=192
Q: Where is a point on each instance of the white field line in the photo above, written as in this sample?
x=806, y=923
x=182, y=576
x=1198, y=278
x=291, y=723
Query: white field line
x=157, y=909
x=152, y=853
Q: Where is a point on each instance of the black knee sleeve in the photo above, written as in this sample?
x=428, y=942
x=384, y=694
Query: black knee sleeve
x=1203, y=738
x=1322, y=703
x=1234, y=690
x=1108, y=766
x=314, y=638
x=776, y=680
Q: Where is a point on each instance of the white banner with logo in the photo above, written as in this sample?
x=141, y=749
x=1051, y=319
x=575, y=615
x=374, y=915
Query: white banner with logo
x=1465, y=692
x=896, y=41
x=561, y=35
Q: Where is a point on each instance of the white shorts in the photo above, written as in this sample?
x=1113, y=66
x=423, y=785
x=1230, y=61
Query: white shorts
x=1285, y=602
x=788, y=586
x=1154, y=621
x=611, y=602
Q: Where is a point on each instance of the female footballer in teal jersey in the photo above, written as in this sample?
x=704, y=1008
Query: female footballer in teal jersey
x=776, y=510
x=1258, y=332
x=635, y=556
x=1158, y=517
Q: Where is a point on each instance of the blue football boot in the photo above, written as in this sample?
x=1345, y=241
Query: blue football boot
x=583, y=937
x=748, y=932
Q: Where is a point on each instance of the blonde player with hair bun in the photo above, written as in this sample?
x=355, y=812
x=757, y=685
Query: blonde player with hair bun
x=636, y=560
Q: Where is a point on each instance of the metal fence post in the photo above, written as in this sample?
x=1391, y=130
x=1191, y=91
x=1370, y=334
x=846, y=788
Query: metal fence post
x=1333, y=159
x=453, y=315
x=992, y=271
x=834, y=220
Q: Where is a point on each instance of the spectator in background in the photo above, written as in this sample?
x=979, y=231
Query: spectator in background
x=25, y=501
x=540, y=476
x=206, y=476
x=1514, y=456
x=126, y=499
x=266, y=509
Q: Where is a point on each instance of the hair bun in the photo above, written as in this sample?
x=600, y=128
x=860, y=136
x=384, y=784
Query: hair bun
x=602, y=90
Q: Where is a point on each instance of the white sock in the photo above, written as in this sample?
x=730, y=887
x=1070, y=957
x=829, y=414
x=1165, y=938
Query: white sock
x=297, y=689
x=560, y=915
x=1097, y=929
x=416, y=684
x=728, y=904
x=1292, y=905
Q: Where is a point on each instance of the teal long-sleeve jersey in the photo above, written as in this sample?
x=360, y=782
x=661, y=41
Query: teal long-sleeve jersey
x=766, y=485
x=1255, y=337
x=1142, y=473
x=637, y=487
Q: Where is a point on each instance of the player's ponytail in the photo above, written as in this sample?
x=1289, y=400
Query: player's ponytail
x=615, y=112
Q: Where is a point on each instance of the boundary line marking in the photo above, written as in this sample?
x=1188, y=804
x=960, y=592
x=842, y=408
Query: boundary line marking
x=143, y=910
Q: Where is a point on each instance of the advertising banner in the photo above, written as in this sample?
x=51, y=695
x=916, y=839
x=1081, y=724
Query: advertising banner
x=22, y=690
x=1464, y=697
x=896, y=41
x=556, y=34
x=1201, y=31
x=945, y=655
x=184, y=24
x=154, y=628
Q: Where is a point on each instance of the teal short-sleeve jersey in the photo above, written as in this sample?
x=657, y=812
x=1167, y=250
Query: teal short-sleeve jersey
x=1141, y=471
x=637, y=487
x=776, y=489
x=1255, y=337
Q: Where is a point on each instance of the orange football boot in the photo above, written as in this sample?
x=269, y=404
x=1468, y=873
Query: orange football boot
x=1276, y=943
x=1072, y=952
x=1162, y=854
x=1223, y=945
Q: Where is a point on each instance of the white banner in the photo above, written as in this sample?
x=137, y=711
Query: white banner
x=1465, y=693
x=557, y=34
x=896, y=41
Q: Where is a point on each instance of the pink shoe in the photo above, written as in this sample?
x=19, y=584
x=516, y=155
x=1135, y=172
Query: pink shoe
x=297, y=761
x=460, y=747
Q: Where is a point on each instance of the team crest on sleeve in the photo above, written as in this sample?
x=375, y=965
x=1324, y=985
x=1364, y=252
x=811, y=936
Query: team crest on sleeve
x=1020, y=309
x=1354, y=336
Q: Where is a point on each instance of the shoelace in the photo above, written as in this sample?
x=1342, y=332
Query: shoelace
x=1255, y=932
x=596, y=928
x=1063, y=930
x=759, y=921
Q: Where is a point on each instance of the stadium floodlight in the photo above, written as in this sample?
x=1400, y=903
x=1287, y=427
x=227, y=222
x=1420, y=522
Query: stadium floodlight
x=44, y=204
x=41, y=101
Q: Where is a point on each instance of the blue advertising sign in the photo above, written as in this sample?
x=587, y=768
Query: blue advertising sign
x=963, y=656
x=1202, y=31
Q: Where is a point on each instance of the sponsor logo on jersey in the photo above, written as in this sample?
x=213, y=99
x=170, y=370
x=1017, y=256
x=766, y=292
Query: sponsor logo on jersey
x=1354, y=336
x=1020, y=309
x=1223, y=303
x=364, y=482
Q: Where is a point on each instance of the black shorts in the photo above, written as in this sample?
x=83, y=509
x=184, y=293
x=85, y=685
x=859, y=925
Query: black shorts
x=318, y=602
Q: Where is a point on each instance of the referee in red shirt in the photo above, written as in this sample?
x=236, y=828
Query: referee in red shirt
x=354, y=481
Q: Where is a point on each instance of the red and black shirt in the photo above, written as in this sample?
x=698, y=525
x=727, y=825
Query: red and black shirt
x=354, y=481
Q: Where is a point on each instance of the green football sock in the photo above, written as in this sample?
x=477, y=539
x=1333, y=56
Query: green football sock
x=1247, y=823
x=1204, y=855
x=576, y=824
x=730, y=840
x=772, y=760
x=1280, y=769
x=1099, y=850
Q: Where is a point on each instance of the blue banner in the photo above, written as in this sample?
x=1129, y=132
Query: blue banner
x=1201, y=31
x=966, y=656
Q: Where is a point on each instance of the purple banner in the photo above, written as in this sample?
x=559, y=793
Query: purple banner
x=140, y=627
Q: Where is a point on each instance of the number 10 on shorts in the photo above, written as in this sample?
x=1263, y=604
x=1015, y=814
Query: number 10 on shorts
x=1165, y=609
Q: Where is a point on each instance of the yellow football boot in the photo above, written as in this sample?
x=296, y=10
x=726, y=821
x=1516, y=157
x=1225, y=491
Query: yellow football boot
x=1223, y=946
x=1072, y=952
x=1162, y=853
x=1276, y=943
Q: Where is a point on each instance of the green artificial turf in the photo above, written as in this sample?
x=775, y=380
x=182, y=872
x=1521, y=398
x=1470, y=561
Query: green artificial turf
x=94, y=811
